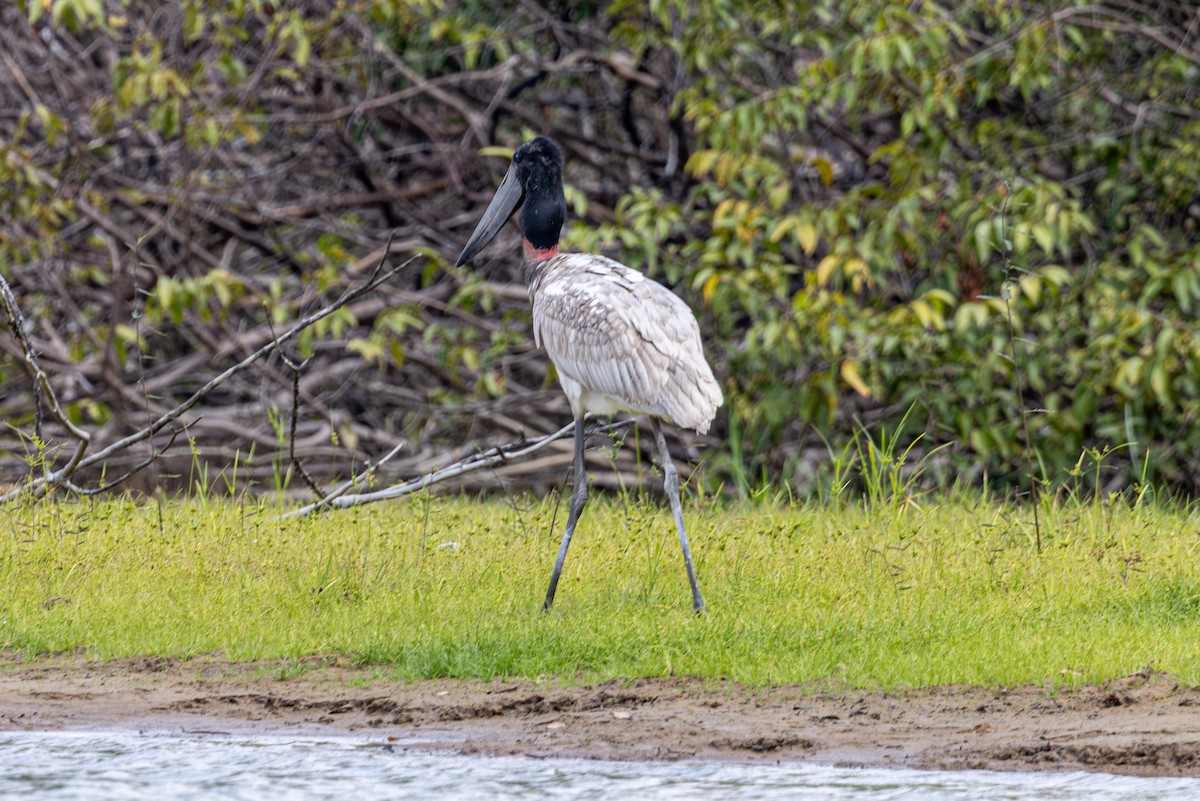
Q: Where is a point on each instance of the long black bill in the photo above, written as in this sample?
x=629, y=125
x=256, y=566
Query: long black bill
x=507, y=198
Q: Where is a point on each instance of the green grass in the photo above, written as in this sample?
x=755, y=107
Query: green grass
x=880, y=596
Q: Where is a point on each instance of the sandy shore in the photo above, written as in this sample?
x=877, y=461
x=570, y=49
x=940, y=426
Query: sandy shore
x=1141, y=724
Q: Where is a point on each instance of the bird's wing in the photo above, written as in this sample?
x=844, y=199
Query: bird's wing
x=612, y=330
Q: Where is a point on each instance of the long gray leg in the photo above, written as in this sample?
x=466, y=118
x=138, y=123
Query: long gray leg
x=671, y=485
x=578, y=500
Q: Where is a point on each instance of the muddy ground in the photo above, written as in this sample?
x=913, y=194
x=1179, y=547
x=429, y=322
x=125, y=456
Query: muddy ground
x=1142, y=724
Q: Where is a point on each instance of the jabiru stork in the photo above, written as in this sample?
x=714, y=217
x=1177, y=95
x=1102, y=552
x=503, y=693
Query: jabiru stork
x=619, y=341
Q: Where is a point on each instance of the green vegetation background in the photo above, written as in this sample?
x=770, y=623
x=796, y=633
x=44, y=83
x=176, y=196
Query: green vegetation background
x=878, y=209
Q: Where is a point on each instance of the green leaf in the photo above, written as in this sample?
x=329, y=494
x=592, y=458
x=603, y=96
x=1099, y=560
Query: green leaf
x=1044, y=237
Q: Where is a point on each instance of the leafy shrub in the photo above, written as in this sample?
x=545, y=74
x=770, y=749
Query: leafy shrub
x=874, y=206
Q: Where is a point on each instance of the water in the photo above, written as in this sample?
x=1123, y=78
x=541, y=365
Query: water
x=121, y=765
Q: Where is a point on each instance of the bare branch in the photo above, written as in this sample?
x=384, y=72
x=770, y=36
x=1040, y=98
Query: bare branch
x=476, y=461
x=109, y=486
x=41, y=384
x=39, y=486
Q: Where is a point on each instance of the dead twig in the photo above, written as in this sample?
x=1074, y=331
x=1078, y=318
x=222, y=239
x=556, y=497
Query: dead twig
x=109, y=486
x=41, y=383
x=293, y=461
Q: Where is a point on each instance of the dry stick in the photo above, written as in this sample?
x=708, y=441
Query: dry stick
x=41, y=383
x=128, y=474
x=40, y=486
x=293, y=462
x=17, y=323
x=334, y=498
x=476, y=461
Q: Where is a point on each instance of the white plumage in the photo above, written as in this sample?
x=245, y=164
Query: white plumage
x=620, y=341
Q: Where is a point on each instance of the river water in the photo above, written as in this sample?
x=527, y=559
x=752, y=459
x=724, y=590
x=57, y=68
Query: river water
x=123, y=765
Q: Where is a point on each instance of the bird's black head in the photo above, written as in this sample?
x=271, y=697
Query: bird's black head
x=539, y=165
x=533, y=182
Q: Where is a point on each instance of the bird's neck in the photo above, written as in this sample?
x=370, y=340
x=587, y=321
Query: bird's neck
x=536, y=255
x=541, y=218
x=539, y=261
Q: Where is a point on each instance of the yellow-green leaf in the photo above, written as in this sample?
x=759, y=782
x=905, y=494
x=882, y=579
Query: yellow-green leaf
x=825, y=170
x=781, y=228
x=1031, y=287
x=1160, y=382
x=826, y=267
x=807, y=235
x=1044, y=237
x=859, y=274
x=925, y=314
x=850, y=374
x=701, y=162
x=983, y=239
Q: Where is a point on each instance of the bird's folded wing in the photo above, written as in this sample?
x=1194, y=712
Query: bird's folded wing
x=616, y=332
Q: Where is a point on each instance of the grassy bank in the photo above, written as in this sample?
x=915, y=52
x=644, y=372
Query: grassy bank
x=889, y=596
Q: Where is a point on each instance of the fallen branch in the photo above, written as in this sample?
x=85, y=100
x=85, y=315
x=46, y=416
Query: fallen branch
x=334, y=498
x=476, y=461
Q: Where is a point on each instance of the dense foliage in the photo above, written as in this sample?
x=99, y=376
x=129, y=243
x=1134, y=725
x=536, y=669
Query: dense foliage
x=925, y=220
